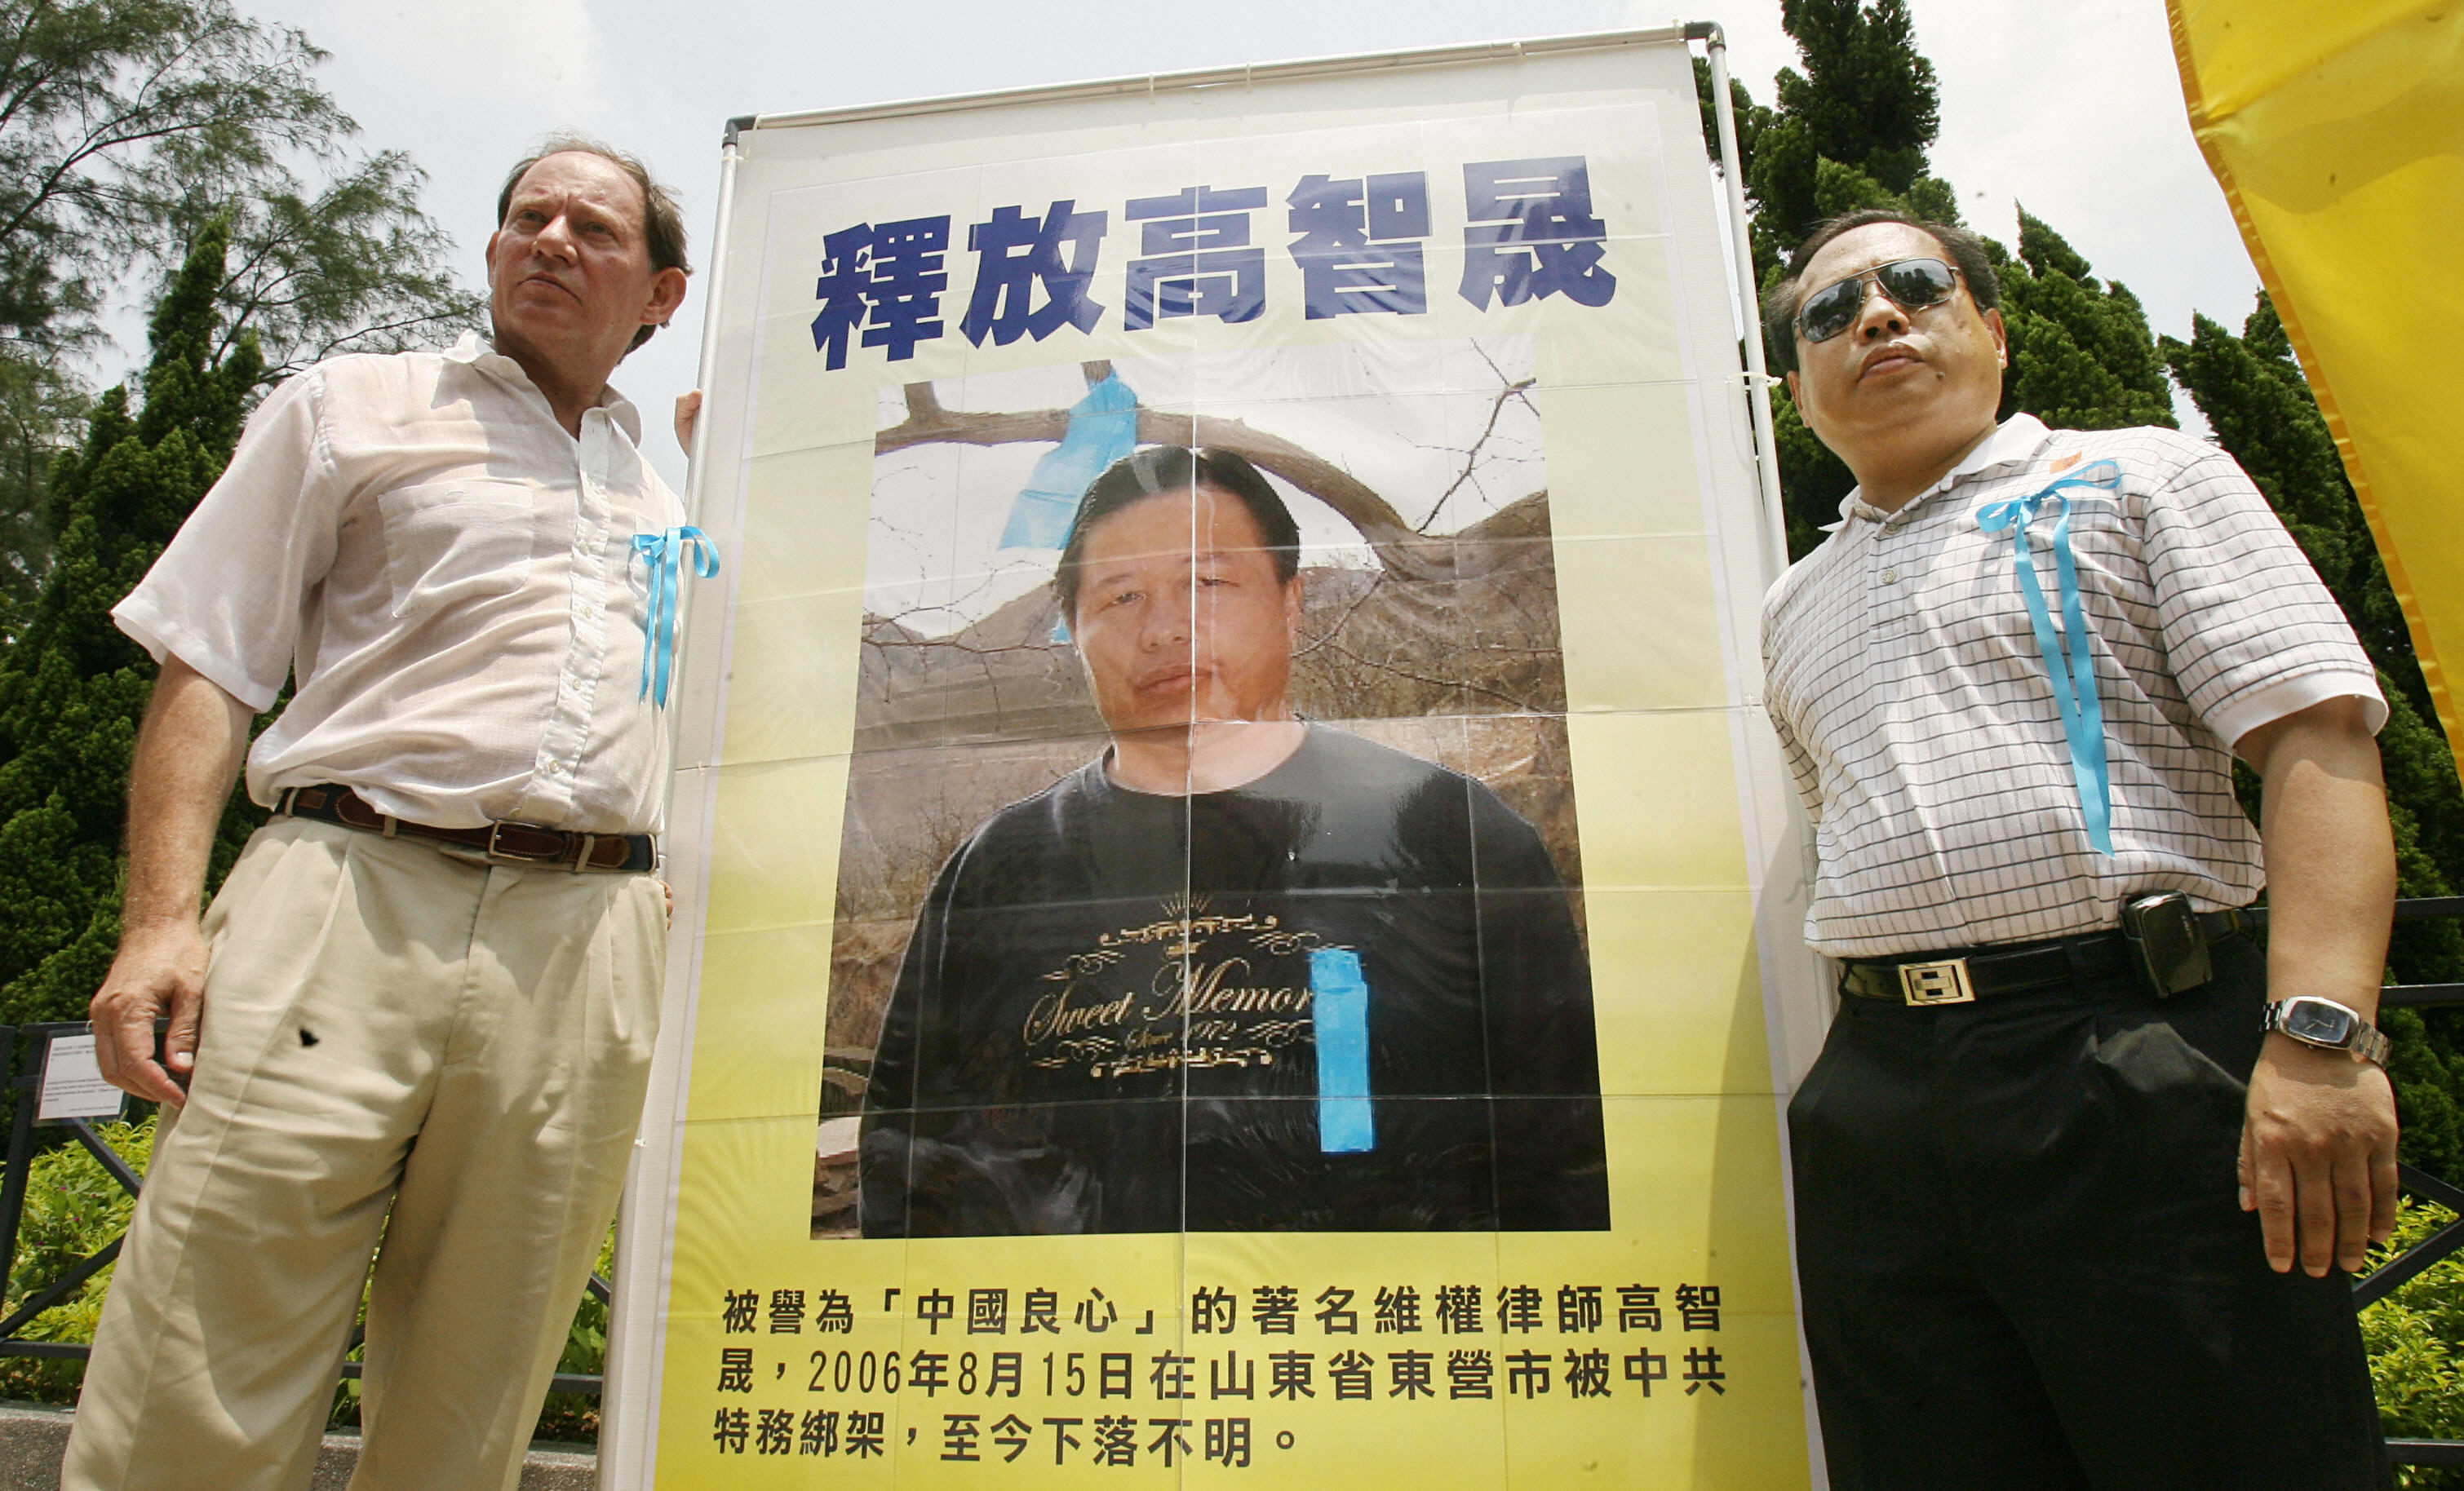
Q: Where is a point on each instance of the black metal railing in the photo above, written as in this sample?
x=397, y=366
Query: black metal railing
x=23, y=1051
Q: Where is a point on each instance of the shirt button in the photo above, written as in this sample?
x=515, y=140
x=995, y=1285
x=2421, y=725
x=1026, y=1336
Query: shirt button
x=1890, y=577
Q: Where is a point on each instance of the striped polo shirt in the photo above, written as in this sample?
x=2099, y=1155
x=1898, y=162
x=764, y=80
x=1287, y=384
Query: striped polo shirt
x=1904, y=678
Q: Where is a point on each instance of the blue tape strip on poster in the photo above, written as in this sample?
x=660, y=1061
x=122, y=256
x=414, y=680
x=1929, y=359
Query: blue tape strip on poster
x=1339, y=1004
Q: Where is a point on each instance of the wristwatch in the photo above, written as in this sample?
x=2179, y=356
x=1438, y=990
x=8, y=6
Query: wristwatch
x=2327, y=1025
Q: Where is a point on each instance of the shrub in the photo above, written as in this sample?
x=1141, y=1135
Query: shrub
x=2415, y=1338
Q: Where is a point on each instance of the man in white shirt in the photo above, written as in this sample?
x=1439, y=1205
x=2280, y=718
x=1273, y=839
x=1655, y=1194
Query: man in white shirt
x=423, y=1001
x=2082, y=1168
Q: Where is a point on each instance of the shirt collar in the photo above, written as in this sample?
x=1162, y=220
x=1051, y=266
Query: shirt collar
x=2019, y=439
x=471, y=351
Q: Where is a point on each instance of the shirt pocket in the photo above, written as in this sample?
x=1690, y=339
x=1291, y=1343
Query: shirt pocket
x=449, y=542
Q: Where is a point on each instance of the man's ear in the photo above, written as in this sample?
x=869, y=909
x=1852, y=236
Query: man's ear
x=667, y=295
x=489, y=257
x=1790, y=378
x=2001, y=338
x=1292, y=601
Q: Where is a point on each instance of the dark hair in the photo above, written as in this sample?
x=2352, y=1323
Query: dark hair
x=662, y=218
x=1967, y=253
x=1160, y=470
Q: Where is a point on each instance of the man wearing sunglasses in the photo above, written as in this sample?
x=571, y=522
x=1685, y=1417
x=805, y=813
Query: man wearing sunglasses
x=2075, y=1200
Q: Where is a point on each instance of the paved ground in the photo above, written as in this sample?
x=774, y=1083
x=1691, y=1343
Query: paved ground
x=33, y=1435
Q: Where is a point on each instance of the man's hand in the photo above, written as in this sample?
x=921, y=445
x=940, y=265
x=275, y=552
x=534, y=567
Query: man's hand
x=187, y=751
x=688, y=414
x=2318, y=1156
x=2317, y=1141
x=157, y=972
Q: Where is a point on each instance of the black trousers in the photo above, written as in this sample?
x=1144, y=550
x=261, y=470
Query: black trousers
x=2025, y=1267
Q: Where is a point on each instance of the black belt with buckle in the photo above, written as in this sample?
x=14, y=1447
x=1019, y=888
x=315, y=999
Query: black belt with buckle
x=1963, y=975
x=527, y=844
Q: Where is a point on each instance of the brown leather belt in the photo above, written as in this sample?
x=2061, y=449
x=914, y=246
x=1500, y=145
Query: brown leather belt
x=527, y=844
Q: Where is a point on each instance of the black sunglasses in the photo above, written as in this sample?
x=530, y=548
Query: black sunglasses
x=1911, y=284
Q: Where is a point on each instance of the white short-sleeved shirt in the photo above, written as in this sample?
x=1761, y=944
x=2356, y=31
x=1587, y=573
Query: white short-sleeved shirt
x=450, y=579
x=1904, y=679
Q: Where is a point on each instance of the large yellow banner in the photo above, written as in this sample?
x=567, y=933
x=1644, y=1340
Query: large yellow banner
x=1375, y=1082
x=2338, y=133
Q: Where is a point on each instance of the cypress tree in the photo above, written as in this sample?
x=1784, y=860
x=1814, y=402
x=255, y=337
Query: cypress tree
x=1851, y=130
x=72, y=687
x=2082, y=355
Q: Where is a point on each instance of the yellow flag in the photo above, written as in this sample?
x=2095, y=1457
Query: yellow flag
x=2338, y=133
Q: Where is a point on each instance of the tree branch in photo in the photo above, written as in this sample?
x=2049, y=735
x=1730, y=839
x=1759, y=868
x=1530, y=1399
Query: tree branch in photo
x=1397, y=546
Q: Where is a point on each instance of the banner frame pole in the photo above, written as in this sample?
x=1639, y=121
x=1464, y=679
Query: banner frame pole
x=1715, y=45
x=630, y=1379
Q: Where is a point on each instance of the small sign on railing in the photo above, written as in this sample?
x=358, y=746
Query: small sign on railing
x=73, y=1084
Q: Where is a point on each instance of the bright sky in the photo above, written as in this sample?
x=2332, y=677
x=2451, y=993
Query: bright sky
x=2074, y=109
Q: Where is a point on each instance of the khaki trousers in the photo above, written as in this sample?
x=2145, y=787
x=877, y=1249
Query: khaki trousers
x=385, y=1027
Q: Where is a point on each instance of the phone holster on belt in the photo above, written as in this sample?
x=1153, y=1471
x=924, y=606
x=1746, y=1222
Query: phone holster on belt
x=2167, y=945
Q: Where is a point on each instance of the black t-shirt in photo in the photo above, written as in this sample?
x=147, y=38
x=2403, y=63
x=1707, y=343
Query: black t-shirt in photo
x=1110, y=1015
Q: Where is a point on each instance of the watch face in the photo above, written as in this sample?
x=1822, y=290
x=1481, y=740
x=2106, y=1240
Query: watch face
x=2316, y=1021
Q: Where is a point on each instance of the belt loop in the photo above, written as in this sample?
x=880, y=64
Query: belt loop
x=390, y=823
x=581, y=856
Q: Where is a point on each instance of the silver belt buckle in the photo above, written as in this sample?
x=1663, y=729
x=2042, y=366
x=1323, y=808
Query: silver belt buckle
x=498, y=853
x=1936, y=983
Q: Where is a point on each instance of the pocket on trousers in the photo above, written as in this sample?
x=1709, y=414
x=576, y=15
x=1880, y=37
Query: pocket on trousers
x=449, y=543
x=2178, y=1111
x=2154, y=1058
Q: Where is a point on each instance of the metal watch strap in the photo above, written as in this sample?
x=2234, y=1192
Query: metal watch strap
x=2367, y=1043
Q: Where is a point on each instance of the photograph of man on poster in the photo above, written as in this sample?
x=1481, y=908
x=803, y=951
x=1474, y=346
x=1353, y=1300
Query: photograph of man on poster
x=1242, y=971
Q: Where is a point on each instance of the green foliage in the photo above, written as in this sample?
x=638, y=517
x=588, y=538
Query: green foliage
x=40, y=409
x=118, y=111
x=72, y=687
x=2414, y=1337
x=1851, y=130
x=126, y=126
x=74, y=1208
x=349, y=267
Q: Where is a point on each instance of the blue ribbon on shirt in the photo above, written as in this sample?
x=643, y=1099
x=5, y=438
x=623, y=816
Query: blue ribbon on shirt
x=2073, y=680
x=664, y=554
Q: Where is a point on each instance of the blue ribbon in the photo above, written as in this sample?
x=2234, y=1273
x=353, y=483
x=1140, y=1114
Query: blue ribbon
x=1339, y=1005
x=664, y=554
x=1103, y=427
x=2074, y=681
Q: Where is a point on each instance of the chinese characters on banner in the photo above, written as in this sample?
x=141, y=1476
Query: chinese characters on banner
x=1202, y=251
x=1105, y=1402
